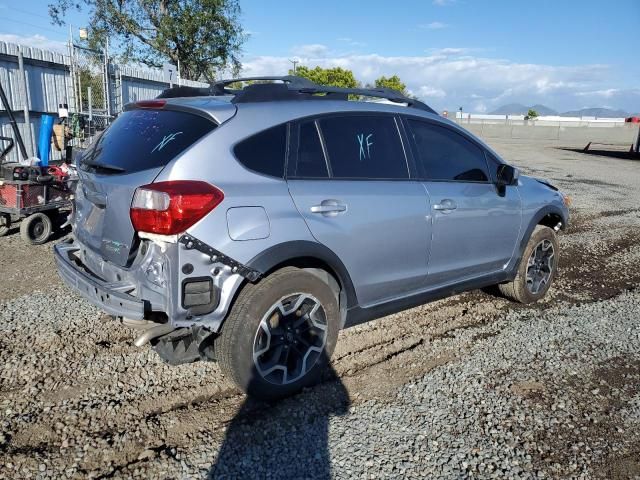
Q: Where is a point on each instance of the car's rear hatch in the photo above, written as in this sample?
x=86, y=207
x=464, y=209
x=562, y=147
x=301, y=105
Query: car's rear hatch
x=131, y=153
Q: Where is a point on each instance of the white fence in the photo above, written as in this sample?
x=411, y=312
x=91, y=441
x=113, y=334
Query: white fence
x=624, y=135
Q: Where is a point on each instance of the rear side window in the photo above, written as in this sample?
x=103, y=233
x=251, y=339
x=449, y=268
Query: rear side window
x=367, y=147
x=141, y=139
x=311, y=162
x=444, y=154
x=264, y=152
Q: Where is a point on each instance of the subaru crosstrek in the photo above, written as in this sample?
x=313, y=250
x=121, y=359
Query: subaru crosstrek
x=249, y=225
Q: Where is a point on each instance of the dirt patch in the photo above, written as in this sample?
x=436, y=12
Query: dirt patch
x=618, y=373
x=622, y=468
x=616, y=213
x=530, y=389
x=591, y=273
x=26, y=268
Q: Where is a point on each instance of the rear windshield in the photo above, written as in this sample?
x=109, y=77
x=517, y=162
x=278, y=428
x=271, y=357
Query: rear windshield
x=142, y=139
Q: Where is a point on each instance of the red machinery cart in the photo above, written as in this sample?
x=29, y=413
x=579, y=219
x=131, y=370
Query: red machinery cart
x=33, y=195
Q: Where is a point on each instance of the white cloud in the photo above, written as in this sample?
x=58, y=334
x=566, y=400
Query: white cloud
x=449, y=77
x=480, y=107
x=434, y=26
x=351, y=42
x=38, y=41
x=314, y=50
x=425, y=91
x=449, y=51
x=607, y=93
x=443, y=3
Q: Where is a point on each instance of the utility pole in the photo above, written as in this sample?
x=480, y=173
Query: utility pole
x=295, y=62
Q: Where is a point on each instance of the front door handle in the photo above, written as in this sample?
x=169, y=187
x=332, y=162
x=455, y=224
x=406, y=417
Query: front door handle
x=329, y=208
x=445, y=206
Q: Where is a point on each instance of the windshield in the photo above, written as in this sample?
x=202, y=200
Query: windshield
x=143, y=139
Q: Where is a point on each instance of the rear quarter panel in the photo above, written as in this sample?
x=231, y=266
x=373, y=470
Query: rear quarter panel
x=212, y=160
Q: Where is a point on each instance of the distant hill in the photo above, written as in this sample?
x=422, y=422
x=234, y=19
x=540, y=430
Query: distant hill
x=596, y=112
x=543, y=110
x=510, y=109
x=520, y=109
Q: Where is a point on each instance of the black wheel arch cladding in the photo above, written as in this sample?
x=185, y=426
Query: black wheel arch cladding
x=537, y=219
x=298, y=249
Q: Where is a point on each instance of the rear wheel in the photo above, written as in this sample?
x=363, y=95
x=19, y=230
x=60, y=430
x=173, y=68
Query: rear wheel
x=537, y=269
x=36, y=229
x=280, y=334
x=5, y=225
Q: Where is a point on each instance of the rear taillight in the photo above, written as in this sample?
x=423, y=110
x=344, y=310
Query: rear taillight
x=169, y=208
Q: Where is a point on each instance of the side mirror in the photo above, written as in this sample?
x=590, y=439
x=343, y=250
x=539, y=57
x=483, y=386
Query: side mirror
x=507, y=175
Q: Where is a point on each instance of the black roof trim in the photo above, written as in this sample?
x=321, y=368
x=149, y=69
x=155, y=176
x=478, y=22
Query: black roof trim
x=290, y=88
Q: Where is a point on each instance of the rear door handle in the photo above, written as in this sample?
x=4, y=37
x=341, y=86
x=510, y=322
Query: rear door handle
x=329, y=208
x=445, y=206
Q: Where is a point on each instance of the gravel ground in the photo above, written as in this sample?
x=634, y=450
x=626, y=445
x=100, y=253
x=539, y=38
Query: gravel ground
x=470, y=386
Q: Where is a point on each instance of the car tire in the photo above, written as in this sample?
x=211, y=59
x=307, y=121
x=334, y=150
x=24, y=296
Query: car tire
x=537, y=269
x=5, y=225
x=280, y=334
x=36, y=229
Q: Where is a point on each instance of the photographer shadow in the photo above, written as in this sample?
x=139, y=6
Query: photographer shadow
x=284, y=439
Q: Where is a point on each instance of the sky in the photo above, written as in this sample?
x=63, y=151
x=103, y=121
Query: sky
x=475, y=54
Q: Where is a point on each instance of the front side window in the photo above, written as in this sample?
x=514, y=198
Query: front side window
x=364, y=147
x=444, y=154
x=264, y=152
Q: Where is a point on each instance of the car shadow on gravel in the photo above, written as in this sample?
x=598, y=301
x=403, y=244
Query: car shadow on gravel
x=284, y=439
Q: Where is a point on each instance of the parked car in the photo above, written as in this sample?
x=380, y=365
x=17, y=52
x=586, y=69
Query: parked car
x=250, y=225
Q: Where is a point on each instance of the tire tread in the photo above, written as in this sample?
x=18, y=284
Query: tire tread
x=233, y=325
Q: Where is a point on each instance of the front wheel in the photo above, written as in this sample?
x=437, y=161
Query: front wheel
x=537, y=269
x=280, y=334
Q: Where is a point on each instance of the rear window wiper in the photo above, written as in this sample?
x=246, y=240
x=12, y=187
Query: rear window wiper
x=104, y=167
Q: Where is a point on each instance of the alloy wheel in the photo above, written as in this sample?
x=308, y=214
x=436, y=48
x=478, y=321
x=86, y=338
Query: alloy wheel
x=290, y=338
x=540, y=266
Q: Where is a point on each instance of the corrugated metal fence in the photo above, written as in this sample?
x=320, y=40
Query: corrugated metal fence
x=41, y=80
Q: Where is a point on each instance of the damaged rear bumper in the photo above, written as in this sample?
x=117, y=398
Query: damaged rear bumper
x=109, y=297
x=159, y=284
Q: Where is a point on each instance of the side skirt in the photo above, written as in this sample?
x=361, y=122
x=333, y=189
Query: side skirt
x=358, y=315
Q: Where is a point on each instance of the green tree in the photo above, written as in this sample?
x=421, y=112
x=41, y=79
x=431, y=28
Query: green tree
x=393, y=83
x=335, y=77
x=532, y=114
x=204, y=36
x=90, y=78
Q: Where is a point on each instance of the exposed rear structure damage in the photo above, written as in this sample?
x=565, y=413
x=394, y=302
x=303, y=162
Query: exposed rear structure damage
x=250, y=224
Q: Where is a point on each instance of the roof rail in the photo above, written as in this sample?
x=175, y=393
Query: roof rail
x=304, y=86
x=290, y=88
x=292, y=82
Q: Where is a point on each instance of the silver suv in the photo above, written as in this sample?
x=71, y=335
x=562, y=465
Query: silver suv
x=249, y=225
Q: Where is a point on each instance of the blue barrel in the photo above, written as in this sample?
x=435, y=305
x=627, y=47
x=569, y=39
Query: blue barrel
x=44, y=140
